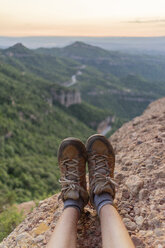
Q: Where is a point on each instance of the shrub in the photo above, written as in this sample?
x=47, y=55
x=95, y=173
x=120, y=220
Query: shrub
x=9, y=219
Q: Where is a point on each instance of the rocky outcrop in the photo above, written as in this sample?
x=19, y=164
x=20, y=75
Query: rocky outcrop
x=140, y=164
x=66, y=98
x=140, y=173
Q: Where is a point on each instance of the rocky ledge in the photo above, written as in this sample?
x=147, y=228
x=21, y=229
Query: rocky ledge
x=66, y=98
x=140, y=173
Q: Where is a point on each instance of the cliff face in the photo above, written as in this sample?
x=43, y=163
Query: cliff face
x=140, y=164
x=66, y=98
x=140, y=172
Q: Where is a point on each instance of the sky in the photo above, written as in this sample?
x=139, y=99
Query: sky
x=82, y=17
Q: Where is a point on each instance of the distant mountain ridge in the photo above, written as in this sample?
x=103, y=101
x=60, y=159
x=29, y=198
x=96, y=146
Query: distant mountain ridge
x=111, y=71
x=117, y=63
x=17, y=49
x=143, y=45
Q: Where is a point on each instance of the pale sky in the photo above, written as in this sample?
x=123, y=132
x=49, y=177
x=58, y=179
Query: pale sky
x=82, y=17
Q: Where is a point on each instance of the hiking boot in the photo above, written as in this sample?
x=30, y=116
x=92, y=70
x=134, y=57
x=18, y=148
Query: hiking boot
x=101, y=163
x=72, y=162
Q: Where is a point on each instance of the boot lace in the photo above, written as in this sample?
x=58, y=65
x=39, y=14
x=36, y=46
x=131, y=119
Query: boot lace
x=100, y=162
x=71, y=172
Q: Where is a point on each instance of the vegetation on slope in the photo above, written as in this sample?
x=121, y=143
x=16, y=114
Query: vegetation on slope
x=57, y=70
x=30, y=132
x=118, y=63
x=31, y=129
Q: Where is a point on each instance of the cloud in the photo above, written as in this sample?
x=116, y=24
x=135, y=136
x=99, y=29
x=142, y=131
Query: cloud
x=147, y=21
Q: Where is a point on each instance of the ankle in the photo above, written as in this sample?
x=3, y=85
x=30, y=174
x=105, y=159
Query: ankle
x=77, y=204
x=102, y=200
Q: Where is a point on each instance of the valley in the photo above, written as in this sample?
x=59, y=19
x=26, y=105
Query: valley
x=73, y=79
x=48, y=94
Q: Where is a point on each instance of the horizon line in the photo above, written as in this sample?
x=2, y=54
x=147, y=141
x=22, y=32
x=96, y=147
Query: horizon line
x=81, y=36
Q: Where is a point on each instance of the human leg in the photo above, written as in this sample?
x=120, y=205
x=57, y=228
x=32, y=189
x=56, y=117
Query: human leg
x=101, y=162
x=65, y=233
x=114, y=233
x=72, y=162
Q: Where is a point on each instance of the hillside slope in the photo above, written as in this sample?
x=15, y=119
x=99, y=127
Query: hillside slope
x=32, y=124
x=140, y=162
x=117, y=63
x=122, y=83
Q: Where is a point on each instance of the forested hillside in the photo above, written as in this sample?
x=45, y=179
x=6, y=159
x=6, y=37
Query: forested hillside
x=118, y=63
x=30, y=132
x=123, y=84
x=49, y=94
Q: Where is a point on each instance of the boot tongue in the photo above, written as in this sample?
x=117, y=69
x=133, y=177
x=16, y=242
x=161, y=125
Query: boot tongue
x=71, y=177
x=100, y=189
x=73, y=194
x=102, y=171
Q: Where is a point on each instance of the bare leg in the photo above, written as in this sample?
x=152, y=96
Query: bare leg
x=114, y=233
x=65, y=233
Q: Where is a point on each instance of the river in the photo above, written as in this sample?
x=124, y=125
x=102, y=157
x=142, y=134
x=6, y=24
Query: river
x=106, y=130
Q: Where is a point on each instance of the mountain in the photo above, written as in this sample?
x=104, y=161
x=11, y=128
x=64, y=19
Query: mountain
x=118, y=63
x=58, y=70
x=138, y=45
x=17, y=49
x=100, y=72
x=77, y=50
x=122, y=83
x=139, y=173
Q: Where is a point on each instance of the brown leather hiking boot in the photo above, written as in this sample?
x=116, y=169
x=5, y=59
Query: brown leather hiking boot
x=72, y=162
x=101, y=163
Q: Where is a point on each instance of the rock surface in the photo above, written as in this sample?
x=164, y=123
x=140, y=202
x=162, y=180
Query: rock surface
x=140, y=198
x=66, y=98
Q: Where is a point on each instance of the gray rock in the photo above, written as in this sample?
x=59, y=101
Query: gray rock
x=134, y=184
x=139, y=220
x=143, y=194
x=38, y=239
x=137, y=241
x=129, y=224
x=149, y=166
x=2, y=246
x=154, y=223
x=22, y=236
x=125, y=193
x=137, y=210
x=119, y=177
x=160, y=246
x=158, y=232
